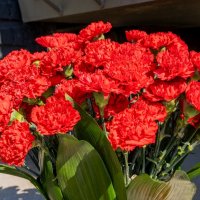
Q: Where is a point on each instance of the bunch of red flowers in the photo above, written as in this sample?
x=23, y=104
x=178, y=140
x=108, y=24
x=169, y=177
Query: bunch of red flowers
x=129, y=86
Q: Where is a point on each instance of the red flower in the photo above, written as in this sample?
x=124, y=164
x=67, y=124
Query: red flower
x=162, y=39
x=165, y=90
x=135, y=126
x=74, y=89
x=135, y=35
x=131, y=65
x=58, y=40
x=172, y=56
x=193, y=94
x=100, y=52
x=195, y=58
x=194, y=121
x=125, y=66
x=116, y=104
x=15, y=90
x=36, y=87
x=15, y=66
x=56, y=116
x=172, y=65
x=58, y=58
x=93, y=30
x=57, y=79
x=15, y=142
x=98, y=82
x=5, y=110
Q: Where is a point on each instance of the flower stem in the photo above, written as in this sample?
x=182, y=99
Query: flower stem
x=126, y=174
x=161, y=158
x=178, y=159
x=143, y=159
x=101, y=110
x=91, y=109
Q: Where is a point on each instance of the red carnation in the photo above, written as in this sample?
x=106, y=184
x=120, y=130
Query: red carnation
x=193, y=94
x=98, y=82
x=173, y=65
x=58, y=40
x=100, y=52
x=162, y=39
x=116, y=104
x=5, y=110
x=93, y=30
x=135, y=126
x=195, y=58
x=36, y=87
x=165, y=90
x=15, y=66
x=15, y=90
x=58, y=58
x=194, y=121
x=74, y=89
x=135, y=35
x=56, y=116
x=131, y=65
x=15, y=142
x=172, y=56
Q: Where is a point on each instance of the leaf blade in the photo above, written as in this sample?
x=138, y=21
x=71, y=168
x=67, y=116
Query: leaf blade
x=179, y=187
x=88, y=129
x=194, y=172
x=81, y=173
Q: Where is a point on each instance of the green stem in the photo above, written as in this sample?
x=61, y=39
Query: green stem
x=143, y=159
x=101, y=110
x=157, y=148
x=172, y=165
x=126, y=174
x=183, y=148
x=192, y=136
x=91, y=109
x=161, y=160
x=135, y=156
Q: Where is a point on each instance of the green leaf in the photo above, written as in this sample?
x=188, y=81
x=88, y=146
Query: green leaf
x=179, y=187
x=48, y=180
x=22, y=174
x=81, y=172
x=88, y=129
x=15, y=115
x=194, y=172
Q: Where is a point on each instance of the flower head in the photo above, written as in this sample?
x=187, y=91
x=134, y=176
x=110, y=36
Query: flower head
x=93, y=30
x=15, y=142
x=165, y=90
x=56, y=116
x=193, y=94
x=136, y=126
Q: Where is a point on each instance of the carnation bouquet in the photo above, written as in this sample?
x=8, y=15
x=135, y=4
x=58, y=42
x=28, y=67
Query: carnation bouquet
x=102, y=119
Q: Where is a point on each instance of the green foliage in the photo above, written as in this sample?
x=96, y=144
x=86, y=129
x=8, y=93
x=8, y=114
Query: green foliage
x=48, y=180
x=194, y=172
x=179, y=187
x=81, y=173
x=88, y=129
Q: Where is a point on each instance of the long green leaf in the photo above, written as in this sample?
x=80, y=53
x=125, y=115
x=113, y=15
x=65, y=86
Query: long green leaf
x=194, y=172
x=22, y=174
x=81, y=173
x=178, y=188
x=49, y=181
x=87, y=129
